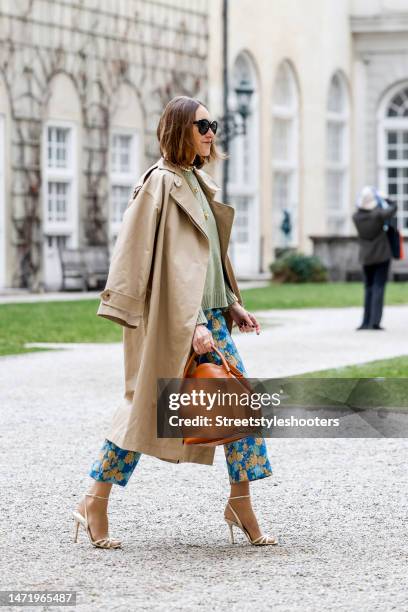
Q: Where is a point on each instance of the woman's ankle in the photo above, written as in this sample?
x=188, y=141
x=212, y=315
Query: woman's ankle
x=239, y=489
x=101, y=489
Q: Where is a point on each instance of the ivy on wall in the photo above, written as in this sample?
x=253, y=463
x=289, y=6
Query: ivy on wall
x=157, y=47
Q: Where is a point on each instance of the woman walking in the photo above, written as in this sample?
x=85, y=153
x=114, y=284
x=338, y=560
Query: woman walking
x=375, y=252
x=172, y=288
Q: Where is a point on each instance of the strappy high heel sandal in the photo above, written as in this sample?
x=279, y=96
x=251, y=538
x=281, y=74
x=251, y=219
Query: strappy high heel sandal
x=83, y=520
x=263, y=540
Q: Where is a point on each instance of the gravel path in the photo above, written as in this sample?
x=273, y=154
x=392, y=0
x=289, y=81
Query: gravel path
x=338, y=506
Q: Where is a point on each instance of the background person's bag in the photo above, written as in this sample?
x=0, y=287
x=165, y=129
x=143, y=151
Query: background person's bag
x=394, y=237
x=209, y=371
x=396, y=242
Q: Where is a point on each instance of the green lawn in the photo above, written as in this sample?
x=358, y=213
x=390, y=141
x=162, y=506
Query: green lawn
x=397, y=367
x=389, y=393
x=317, y=295
x=53, y=322
x=76, y=321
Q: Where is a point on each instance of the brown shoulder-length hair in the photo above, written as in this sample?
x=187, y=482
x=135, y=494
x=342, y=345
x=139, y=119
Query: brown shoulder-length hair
x=175, y=133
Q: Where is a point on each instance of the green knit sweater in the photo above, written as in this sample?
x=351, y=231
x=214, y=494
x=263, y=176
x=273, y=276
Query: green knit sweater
x=217, y=292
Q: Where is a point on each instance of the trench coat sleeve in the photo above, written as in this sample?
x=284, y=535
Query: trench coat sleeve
x=123, y=299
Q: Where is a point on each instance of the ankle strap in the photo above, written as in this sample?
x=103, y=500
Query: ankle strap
x=93, y=495
x=239, y=497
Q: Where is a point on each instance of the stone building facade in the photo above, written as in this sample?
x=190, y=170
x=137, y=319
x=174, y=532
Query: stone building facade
x=381, y=102
x=82, y=84
x=329, y=115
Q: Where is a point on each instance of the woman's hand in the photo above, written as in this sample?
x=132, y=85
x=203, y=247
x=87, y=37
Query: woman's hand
x=203, y=340
x=245, y=320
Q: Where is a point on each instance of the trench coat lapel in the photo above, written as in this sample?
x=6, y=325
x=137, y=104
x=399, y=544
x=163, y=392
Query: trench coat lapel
x=185, y=198
x=182, y=194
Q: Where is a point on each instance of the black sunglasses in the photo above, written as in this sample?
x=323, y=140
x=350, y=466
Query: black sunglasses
x=204, y=125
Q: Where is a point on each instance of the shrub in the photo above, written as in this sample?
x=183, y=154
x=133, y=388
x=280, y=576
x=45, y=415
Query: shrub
x=298, y=268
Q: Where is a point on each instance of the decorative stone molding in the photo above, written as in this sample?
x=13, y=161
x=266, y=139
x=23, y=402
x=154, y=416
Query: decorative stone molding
x=392, y=22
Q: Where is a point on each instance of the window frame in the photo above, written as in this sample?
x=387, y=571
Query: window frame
x=342, y=167
x=385, y=124
x=243, y=180
x=122, y=179
x=291, y=166
x=69, y=176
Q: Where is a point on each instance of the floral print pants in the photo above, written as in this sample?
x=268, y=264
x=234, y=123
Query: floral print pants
x=247, y=458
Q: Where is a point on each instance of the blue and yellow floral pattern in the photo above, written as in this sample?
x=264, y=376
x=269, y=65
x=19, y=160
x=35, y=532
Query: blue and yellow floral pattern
x=247, y=459
x=114, y=464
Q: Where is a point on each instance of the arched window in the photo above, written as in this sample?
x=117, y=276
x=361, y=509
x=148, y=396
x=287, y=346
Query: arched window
x=337, y=156
x=60, y=161
x=243, y=186
x=126, y=153
x=393, y=150
x=285, y=155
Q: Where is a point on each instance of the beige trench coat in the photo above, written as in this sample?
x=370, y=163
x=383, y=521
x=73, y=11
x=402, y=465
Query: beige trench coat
x=154, y=290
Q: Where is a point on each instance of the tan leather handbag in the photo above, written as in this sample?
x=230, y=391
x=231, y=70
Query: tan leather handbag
x=212, y=370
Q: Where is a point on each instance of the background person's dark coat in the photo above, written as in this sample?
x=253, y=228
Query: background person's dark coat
x=373, y=240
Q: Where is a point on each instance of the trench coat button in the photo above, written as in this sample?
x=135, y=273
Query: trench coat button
x=177, y=182
x=106, y=295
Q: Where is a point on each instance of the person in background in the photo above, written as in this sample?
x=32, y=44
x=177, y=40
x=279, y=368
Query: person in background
x=374, y=209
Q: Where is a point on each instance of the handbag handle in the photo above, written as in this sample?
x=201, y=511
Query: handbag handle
x=194, y=355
